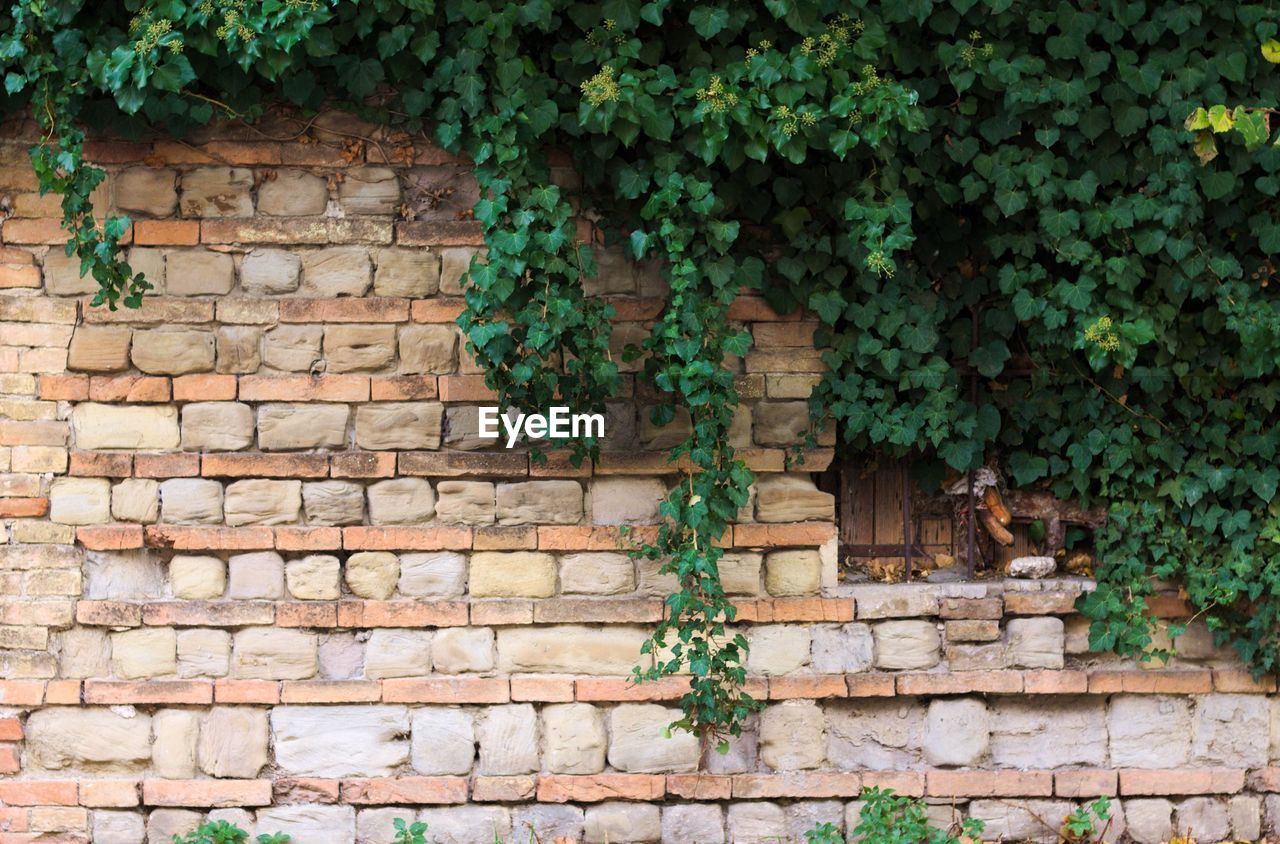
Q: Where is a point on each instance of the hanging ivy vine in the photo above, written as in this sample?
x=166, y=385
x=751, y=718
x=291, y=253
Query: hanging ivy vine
x=898, y=169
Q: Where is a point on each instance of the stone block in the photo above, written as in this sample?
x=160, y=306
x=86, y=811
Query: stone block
x=1226, y=730
x=99, y=348
x=637, y=743
x=455, y=262
x=571, y=649
x=369, y=190
x=472, y=824
x=1058, y=732
x=1149, y=821
x=626, y=501
x=150, y=191
x=597, y=573
x=1246, y=817
x=792, y=573
x=508, y=739
x=740, y=573
x=293, y=348
x=397, y=653
x=539, y=503
x=237, y=349
x=197, y=578
x=256, y=576
x=792, y=498
x=217, y=426
x=777, y=649
x=515, y=574
x=1149, y=731
x=408, y=273
x=270, y=272
x=118, y=827
x=204, y=653
x=1206, y=817
x=262, y=502
x=1035, y=642
x=122, y=575
x=399, y=425
x=217, y=192
x=106, y=740
x=906, y=645
x=553, y=821
x=372, y=574
x=428, y=349
x=190, y=501
x=700, y=822
x=846, y=649
x=233, y=742
x=780, y=424
x=314, y=578
x=458, y=650
x=793, y=736
x=85, y=652
x=80, y=501
x=62, y=276
x=623, y=823
x=433, y=574
x=173, y=745
x=333, y=503
x=957, y=732
x=105, y=426
x=166, y=351
x=401, y=501
x=876, y=735
x=573, y=739
x=135, y=500
x=144, y=652
x=444, y=741
x=337, y=271
x=199, y=272
x=284, y=427
x=293, y=193
x=270, y=653
x=465, y=503
x=341, y=656
x=756, y=822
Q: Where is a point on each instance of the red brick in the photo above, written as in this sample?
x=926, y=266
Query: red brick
x=37, y=231
x=295, y=231
x=1169, y=606
x=191, y=692
x=166, y=465
x=446, y=690
x=457, y=464
x=500, y=612
x=307, y=790
x=363, y=464
x=10, y=729
x=609, y=689
x=331, y=691
x=63, y=692
x=1055, y=682
x=1151, y=682
x=961, y=682
x=438, y=310
x=104, y=151
x=778, y=536
x=204, y=388
x=989, y=783
x=439, y=233
x=796, y=609
x=335, y=388
x=871, y=685
x=511, y=789
x=159, y=310
x=756, y=309
x=132, y=388
x=101, y=464
x=459, y=388
x=308, y=538
x=265, y=466
x=16, y=820
x=905, y=783
x=597, y=610
x=9, y=762
x=1135, y=783
x=1239, y=681
x=799, y=686
x=12, y=277
x=1057, y=602
x=505, y=538
x=206, y=793
x=35, y=432
x=542, y=688
x=700, y=786
x=403, y=388
x=209, y=538
x=411, y=790
x=64, y=387
x=38, y=792
x=208, y=613
x=797, y=784
x=369, y=309
x=166, y=232
x=109, y=794
x=363, y=538
x=108, y=613
x=23, y=508
x=307, y=614
x=219, y=152
x=405, y=613
x=636, y=309
x=559, y=464
x=247, y=691
x=593, y=538
x=1086, y=783
x=785, y=334
x=600, y=787
x=110, y=537
x=989, y=609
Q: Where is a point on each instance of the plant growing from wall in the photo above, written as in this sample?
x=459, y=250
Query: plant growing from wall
x=904, y=173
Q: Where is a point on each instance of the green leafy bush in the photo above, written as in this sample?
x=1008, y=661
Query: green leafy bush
x=225, y=832
x=889, y=818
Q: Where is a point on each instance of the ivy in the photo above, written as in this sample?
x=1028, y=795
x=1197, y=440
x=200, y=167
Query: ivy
x=908, y=172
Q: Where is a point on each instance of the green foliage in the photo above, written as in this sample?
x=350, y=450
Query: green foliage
x=1082, y=825
x=225, y=832
x=889, y=818
x=409, y=833
x=904, y=173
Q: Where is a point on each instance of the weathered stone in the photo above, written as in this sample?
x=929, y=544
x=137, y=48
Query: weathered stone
x=256, y=576
x=847, y=649
x=116, y=827
x=411, y=273
x=333, y=503
x=144, y=652
x=135, y=500
x=473, y=824
x=740, y=573
x=341, y=656
x=1226, y=731
x=597, y=573
x=146, y=190
x=314, y=578
x=700, y=822
x=270, y=653
x=337, y=271
x=372, y=574
x=292, y=348
x=233, y=742
x=877, y=735
x=781, y=423
x=1055, y=733
x=777, y=649
x=121, y=575
x=465, y=503
x=199, y=272
x=1149, y=821
x=540, y=503
x=508, y=737
x=434, y=574
x=399, y=425
x=515, y=574
x=573, y=738
x=792, y=498
x=80, y=501
x=293, y=426
x=756, y=822
x=166, y=351
x=455, y=262
x=62, y=276
x=263, y=502
x=626, y=501
x=238, y=349
x=428, y=349
x=163, y=825
x=369, y=190
x=570, y=649
x=310, y=823
x=217, y=192
x=1032, y=567
x=1023, y=820
x=100, y=426
x=150, y=262
x=1149, y=731
x=397, y=653
x=637, y=743
x=793, y=736
x=85, y=652
x=1036, y=642
x=269, y=272
x=553, y=821
x=401, y=501
x=217, y=426
x=99, y=348
x=906, y=645
x=293, y=193
x=173, y=746
x=456, y=650
x=957, y=732
x=104, y=741
x=789, y=573
x=204, y=653
x=623, y=823
x=444, y=741
x=1205, y=816
x=191, y=501
x=197, y=578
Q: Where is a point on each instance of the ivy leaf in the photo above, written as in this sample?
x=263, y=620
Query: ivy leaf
x=1271, y=50
x=708, y=21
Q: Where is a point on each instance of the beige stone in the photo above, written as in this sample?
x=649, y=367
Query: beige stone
x=957, y=732
x=263, y=502
x=401, y=501
x=80, y=501
x=104, y=426
x=844, y=649
x=270, y=272
x=144, y=652
x=199, y=272
x=515, y=574
x=106, y=741
x=163, y=825
x=369, y=190
x=455, y=262
x=351, y=348
x=573, y=739
x=173, y=747
x=780, y=424
x=293, y=193
x=571, y=649
x=114, y=575
x=664, y=437
x=465, y=502
x=258, y=575
x=740, y=573
x=118, y=827
x=86, y=652
x=627, y=823
x=337, y=271
x=204, y=653
x=333, y=502
x=135, y=500
x=149, y=261
x=597, y=573
x=237, y=349
x=792, y=498
x=911, y=645
x=433, y=574
x=508, y=739
x=777, y=649
x=626, y=501
x=217, y=426
x=1035, y=642
x=457, y=650
x=270, y=653
x=340, y=741
x=444, y=741
x=637, y=743
x=217, y=192
x=197, y=578
x=540, y=502
x=793, y=736
x=282, y=427
x=163, y=351
x=292, y=348
x=372, y=574
x=428, y=349
x=397, y=653
x=314, y=578
x=62, y=276
x=411, y=273
x=233, y=742
x=399, y=425
x=792, y=573
x=99, y=348
x=191, y=501
x=146, y=190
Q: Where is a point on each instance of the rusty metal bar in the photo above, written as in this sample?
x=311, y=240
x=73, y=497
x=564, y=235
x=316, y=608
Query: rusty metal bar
x=906, y=523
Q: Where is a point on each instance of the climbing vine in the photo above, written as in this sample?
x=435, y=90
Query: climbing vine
x=911, y=173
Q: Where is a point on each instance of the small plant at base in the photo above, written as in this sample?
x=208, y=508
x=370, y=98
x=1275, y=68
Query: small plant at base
x=888, y=818
x=225, y=832
x=1082, y=824
x=409, y=833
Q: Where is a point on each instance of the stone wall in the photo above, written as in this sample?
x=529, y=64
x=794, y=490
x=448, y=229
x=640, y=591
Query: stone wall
x=258, y=565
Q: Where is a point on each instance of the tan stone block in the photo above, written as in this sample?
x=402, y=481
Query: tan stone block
x=540, y=502
x=455, y=262
x=263, y=502
x=86, y=652
x=428, y=349
x=272, y=653
x=173, y=352
x=233, y=742
x=145, y=652
x=638, y=744
x=573, y=739
x=333, y=503
x=104, y=426
x=411, y=273
x=293, y=193
x=217, y=192
x=399, y=425
x=270, y=272
x=292, y=348
x=238, y=349
x=314, y=578
x=62, y=276
x=149, y=261
x=777, y=649
x=626, y=501
x=256, y=576
x=369, y=190
x=793, y=736
x=457, y=650
x=80, y=501
x=147, y=190
x=135, y=500
x=99, y=348
x=203, y=653
x=187, y=501
x=571, y=649
x=110, y=742
x=790, y=573
x=199, y=272
x=516, y=574
x=911, y=645
x=397, y=653
x=350, y=348
x=217, y=426
x=401, y=501
x=597, y=573
x=372, y=574
x=173, y=746
x=337, y=271
x=740, y=573
x=465, y=502
x=433, y=574
x=792, y=498
x=283, y=427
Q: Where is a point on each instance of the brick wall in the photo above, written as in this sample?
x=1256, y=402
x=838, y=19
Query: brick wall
x=259, y=565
